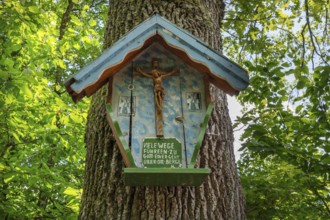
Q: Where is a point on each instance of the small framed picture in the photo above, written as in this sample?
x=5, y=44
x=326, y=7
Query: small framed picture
x=194, y=102
x=124, y=105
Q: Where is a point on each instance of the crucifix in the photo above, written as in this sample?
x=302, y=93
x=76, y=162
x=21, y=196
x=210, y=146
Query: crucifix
x=159, y=92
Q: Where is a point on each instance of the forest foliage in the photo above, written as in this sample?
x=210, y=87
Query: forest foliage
x=283, y=44
x=285, y=161
x=41, y=129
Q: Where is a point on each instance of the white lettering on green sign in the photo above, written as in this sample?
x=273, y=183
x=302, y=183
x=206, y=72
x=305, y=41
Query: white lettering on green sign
x=161, y=152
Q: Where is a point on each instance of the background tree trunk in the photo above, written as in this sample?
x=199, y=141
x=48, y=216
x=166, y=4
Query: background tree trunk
x=104, y=194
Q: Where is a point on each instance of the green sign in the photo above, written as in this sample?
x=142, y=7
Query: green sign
x=161, y=152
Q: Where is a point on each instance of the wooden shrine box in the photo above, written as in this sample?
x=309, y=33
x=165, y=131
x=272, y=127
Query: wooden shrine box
x=159, y=100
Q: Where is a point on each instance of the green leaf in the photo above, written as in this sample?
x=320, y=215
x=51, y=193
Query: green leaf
x=327, y=148
x=9, y=177
x=76, y=118
x=9, y=62
x=71, y=191
x=15, y=47
x=3, y=75
x=92, y=22
x=27, y=91
x=9, y=99
x=326, y=159
x=76, y=21
x=16, y=136
x=2, y=167
x=305, y=120
x=34, y=9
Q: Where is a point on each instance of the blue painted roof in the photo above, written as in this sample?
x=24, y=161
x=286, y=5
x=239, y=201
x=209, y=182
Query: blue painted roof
x=156, y=27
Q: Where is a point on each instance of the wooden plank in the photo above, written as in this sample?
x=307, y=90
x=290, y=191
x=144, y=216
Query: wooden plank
x=165, y=176
x=121, y=142
x=201, y=135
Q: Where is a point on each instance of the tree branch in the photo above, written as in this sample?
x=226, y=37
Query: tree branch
x=321, y=198
x=289, y=32
x=325, y=32
x=65, y=19
x=303, y=46
x=311, y=32
x=313, y=65
x=231, y=34
x=247, y=20
x=64, y=22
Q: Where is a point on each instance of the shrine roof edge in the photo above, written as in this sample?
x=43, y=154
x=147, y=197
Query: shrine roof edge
x=223, y=67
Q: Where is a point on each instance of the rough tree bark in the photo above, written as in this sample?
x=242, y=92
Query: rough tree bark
x=104, y=194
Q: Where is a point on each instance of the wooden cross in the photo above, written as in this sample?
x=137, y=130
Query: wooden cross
x=159, y=92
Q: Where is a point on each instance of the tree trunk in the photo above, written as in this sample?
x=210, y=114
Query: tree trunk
x=104, y=194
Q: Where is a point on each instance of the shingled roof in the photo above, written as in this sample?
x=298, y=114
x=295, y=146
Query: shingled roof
x=223, y=72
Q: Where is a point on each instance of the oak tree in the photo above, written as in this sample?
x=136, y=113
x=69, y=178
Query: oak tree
x=104, y=194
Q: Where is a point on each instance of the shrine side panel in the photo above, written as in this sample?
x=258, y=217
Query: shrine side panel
x=127, y=89
x=194, y=106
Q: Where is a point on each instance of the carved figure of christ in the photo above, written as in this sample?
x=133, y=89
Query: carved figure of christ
x=159, y=92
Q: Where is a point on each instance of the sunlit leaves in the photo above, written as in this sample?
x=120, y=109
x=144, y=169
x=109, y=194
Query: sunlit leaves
x=277, y=190
x=41, y=130
x=284, y=45
x=34, y=9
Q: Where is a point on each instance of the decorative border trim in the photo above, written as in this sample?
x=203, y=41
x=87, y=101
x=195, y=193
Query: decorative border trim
x=122, y=144
x=201, y=135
